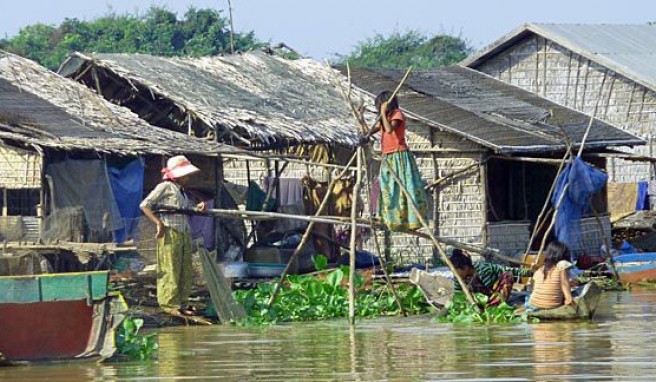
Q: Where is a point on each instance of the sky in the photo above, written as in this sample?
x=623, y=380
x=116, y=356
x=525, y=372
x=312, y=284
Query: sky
x=321, y=29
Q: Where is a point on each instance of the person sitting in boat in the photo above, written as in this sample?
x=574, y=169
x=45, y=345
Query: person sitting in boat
x=493, y=280
x=551, y=285
x=174, y=268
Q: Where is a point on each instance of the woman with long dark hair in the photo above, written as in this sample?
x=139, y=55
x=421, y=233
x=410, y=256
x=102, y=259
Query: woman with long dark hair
x=393, y=206
x=551, y=287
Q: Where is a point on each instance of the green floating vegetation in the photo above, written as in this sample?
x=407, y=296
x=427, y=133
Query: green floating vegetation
x=309, y=298
x=460, y=311
x=133, y=346
x=605, y=283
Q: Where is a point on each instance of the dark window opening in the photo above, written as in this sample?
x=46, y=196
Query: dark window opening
x=20, y=202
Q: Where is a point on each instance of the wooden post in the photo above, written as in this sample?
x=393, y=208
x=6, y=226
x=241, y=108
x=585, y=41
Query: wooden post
x=232, y=29
x=308, y=230
x=425, y=225
x=383, y=259
x=354, y=228
x=218, y=178
x=357, y=114
x=483, y=176
x=5, y=201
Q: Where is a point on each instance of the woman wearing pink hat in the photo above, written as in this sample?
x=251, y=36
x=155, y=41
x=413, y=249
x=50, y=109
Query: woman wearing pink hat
x=174, y=269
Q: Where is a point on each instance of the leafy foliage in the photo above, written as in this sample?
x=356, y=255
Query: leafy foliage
x=306, y=298
x=200, y=32
x=461, y=312
x=133, y=345
x=401, y=50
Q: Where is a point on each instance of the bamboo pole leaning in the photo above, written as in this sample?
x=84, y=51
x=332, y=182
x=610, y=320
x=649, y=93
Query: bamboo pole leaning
x=367, y=160
x=436, y=243
x=539, y=223
x=354, y=228
x=580, y=152
x=308, y=230
x=359, y=117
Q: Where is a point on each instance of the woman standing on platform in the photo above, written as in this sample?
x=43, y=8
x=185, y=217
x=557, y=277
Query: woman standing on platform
x=393, y=206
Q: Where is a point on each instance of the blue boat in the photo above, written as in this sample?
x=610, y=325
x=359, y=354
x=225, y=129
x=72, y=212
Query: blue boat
x=636, y=267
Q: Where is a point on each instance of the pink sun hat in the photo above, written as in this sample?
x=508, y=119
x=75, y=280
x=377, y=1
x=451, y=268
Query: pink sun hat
x=177, y=167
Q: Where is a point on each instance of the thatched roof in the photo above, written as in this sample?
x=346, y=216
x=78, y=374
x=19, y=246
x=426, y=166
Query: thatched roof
x=252, y=99
x=627, y=49
x=490, y=112
x=39, y=107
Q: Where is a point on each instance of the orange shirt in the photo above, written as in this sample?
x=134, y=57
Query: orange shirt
x=394, y=141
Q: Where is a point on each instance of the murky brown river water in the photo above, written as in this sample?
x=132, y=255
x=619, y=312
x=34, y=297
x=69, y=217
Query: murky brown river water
x=620, y=344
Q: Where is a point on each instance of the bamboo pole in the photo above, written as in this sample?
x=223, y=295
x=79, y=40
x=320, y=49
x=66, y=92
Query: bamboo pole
x=259, y=156
x=436, y=243
x=257, y=215
x=232, y=29
x=354, y=212
x=540, y=222
x=359, y=117
x=578, y=155
x=437, y=182
x=308, y=230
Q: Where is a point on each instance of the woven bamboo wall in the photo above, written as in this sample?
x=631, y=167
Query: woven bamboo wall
x=460, y=212
x=19, y=168
x=554, y=72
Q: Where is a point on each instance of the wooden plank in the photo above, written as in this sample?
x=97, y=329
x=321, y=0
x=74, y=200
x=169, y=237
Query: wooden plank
x=54, y=287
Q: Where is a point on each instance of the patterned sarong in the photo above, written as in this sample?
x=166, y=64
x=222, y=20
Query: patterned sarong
x=393, y=206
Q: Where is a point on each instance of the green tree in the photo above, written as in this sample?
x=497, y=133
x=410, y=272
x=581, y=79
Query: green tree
x=400, y=50
x=200, y=32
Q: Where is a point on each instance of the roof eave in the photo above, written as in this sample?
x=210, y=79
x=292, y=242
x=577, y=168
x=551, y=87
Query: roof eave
x=560, y=147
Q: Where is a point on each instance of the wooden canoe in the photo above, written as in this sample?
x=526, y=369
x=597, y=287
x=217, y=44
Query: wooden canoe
x=64, y=316
x=636, y=267
x=585, y=305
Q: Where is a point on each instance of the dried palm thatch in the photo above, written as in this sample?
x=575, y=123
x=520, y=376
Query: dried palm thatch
x=251, y=99
x=39, y=107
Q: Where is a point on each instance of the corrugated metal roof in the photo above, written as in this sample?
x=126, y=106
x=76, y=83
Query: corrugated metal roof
x=490, y=112
x=627, y=49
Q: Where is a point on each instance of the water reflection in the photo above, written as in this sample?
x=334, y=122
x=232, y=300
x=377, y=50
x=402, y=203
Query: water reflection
x=553, y=349
x=618, y=345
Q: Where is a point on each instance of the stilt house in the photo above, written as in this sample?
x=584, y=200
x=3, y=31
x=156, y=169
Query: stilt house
x=605, y=70
x=74, y=167
x=491, y=151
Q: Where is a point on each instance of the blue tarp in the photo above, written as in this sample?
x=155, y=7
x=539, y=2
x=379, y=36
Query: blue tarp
x=127, y=186
x=584, y=181
x=642, y=203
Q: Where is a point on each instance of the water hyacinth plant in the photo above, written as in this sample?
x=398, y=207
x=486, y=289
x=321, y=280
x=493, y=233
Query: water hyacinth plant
x=319, y=297
x=461, y=312
x=132, y=345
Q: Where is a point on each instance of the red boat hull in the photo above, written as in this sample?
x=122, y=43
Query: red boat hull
x=638, y=276
x=45, y=330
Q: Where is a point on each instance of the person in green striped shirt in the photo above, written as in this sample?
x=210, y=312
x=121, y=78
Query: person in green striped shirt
x=493, y=280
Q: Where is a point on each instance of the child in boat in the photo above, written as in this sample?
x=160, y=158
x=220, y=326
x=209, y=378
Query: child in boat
x=551, y=285
x=493, y=280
